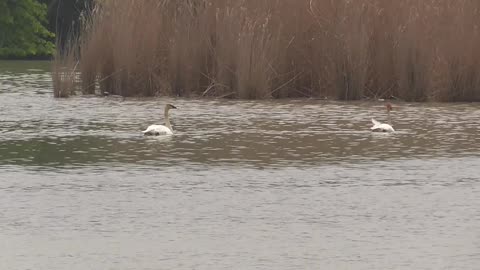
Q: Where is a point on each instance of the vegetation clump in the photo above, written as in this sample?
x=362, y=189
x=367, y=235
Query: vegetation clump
x=257, y=49
x=22, y=29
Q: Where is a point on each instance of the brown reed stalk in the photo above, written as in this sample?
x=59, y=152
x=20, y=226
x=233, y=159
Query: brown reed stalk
x=257, y=49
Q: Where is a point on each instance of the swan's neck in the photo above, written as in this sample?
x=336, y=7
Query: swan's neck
x=388, y=118
x=167, y=119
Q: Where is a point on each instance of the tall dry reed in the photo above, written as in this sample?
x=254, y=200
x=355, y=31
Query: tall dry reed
x=254, y=49
x=65, y=75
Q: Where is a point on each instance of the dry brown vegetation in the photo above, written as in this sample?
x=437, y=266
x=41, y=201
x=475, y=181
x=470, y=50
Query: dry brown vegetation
x=253, y=49
x=64, y=71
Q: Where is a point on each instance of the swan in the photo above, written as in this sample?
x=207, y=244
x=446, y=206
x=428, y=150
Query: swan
x=155, y=130
x=381, y=127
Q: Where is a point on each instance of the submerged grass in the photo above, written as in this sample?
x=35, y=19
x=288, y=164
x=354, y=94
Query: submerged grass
x=256, y=49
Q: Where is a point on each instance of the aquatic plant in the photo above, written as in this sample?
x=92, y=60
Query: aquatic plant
x=255, y=49
x=65, y=71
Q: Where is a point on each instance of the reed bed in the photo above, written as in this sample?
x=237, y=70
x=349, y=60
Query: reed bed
x=65, y=75
x=256, y=49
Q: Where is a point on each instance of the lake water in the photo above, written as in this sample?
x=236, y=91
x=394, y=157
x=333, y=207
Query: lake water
x=290, y=184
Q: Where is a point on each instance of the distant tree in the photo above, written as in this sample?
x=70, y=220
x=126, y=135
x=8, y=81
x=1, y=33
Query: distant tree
x=65, y=17
x=23, y=31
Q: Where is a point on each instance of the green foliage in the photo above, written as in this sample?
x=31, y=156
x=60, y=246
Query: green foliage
x=22, y=29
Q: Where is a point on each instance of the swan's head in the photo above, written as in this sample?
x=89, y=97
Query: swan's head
x=170, y=106
x=389, y=107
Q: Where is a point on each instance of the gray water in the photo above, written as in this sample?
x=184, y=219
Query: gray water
x=290, y=184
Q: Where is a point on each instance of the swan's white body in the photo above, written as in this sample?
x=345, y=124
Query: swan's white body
x=157, y=130
x=381, y=127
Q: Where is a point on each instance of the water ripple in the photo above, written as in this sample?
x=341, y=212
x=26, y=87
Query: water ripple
x=289, y=184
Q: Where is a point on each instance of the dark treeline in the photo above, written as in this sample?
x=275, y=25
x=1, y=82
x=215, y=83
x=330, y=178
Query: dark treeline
x=29, y=29
x=65, y=17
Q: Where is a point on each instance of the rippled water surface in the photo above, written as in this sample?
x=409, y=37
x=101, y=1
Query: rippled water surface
x=291, y=184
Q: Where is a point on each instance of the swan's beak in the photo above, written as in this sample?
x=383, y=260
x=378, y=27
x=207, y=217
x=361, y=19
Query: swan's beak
x=173, y=107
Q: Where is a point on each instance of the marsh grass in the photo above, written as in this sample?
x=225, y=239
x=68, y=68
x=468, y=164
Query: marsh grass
x=257, y=49
x=65, y=72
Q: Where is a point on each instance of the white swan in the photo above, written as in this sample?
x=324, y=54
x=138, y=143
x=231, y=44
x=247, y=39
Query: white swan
x=155, y=130
x=381, y=127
